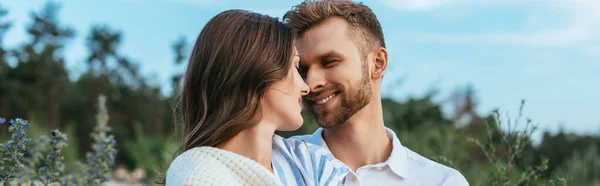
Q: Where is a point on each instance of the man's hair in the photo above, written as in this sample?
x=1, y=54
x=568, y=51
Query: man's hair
x=364, y=26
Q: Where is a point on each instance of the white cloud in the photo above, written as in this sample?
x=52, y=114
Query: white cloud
x=428, y=5
x=582, y=27
x=570, y=36
x=416, y=4
x=584, y=22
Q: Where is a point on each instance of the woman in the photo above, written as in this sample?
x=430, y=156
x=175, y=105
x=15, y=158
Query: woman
x=241, y=85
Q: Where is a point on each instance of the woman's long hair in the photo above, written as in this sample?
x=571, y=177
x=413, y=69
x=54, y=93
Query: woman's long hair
x=237, y=56
x=235, y=59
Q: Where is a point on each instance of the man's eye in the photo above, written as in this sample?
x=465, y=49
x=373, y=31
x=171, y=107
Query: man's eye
x=330, y=62
x=302, y=71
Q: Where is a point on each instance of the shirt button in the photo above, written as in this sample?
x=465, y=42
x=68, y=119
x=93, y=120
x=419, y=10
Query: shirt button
x=378, y=168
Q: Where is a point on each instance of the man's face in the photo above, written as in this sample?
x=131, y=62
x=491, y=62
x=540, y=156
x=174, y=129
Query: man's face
x=338, y=77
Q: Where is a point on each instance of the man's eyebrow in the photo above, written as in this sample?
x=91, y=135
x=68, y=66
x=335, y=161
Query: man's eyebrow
x=329, y=54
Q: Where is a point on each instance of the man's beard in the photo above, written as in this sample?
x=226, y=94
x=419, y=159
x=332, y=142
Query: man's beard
x=353, y=99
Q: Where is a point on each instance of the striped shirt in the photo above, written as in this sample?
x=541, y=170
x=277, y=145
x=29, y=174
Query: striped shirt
x=297, y=163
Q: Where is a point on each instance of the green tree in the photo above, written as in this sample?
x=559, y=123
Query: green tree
x=130, y=96
x=40, y=71
x=6, y=86
x=562, y=147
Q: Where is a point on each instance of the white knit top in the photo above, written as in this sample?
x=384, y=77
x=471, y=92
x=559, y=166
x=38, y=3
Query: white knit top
x=213, y=166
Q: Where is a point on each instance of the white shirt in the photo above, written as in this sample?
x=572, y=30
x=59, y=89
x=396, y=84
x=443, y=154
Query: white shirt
x=403, y=167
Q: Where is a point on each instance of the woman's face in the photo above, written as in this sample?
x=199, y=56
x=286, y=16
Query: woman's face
x=282, y=101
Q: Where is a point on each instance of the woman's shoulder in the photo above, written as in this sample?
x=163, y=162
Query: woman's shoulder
x=213, y=166
x=194, y=158
x=195, y=166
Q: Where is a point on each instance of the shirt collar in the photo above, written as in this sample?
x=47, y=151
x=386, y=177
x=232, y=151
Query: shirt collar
x=398, y=158
x=317, y=138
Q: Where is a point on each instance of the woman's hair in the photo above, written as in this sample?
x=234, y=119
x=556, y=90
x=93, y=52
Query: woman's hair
x=235, y=59
x=237, y=56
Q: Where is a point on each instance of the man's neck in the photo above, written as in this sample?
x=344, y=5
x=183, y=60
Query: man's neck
x=254, y=143
x=362, y=140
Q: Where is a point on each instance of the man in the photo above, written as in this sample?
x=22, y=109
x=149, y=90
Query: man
x=343, y=59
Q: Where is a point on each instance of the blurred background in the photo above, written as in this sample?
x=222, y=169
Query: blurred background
x=452, y=63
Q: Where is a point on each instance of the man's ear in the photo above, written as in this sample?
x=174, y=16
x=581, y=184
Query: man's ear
x=380, y=63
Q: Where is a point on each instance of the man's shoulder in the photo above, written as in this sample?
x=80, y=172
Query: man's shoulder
x=298, y=145
x=303, y=137
x=315, y=163
x=314, y=138
x=427, y=169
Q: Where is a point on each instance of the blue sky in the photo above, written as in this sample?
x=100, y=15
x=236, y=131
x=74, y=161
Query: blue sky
x=547, y=52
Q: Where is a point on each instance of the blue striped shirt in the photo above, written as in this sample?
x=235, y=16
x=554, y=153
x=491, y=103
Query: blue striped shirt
x=297, y=163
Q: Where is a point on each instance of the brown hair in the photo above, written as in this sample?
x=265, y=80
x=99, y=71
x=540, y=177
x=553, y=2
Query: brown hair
x=364, y=25
x=235, y=59
x=237, y=56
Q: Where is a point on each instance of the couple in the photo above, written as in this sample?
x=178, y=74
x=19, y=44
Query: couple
x=247, y=77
